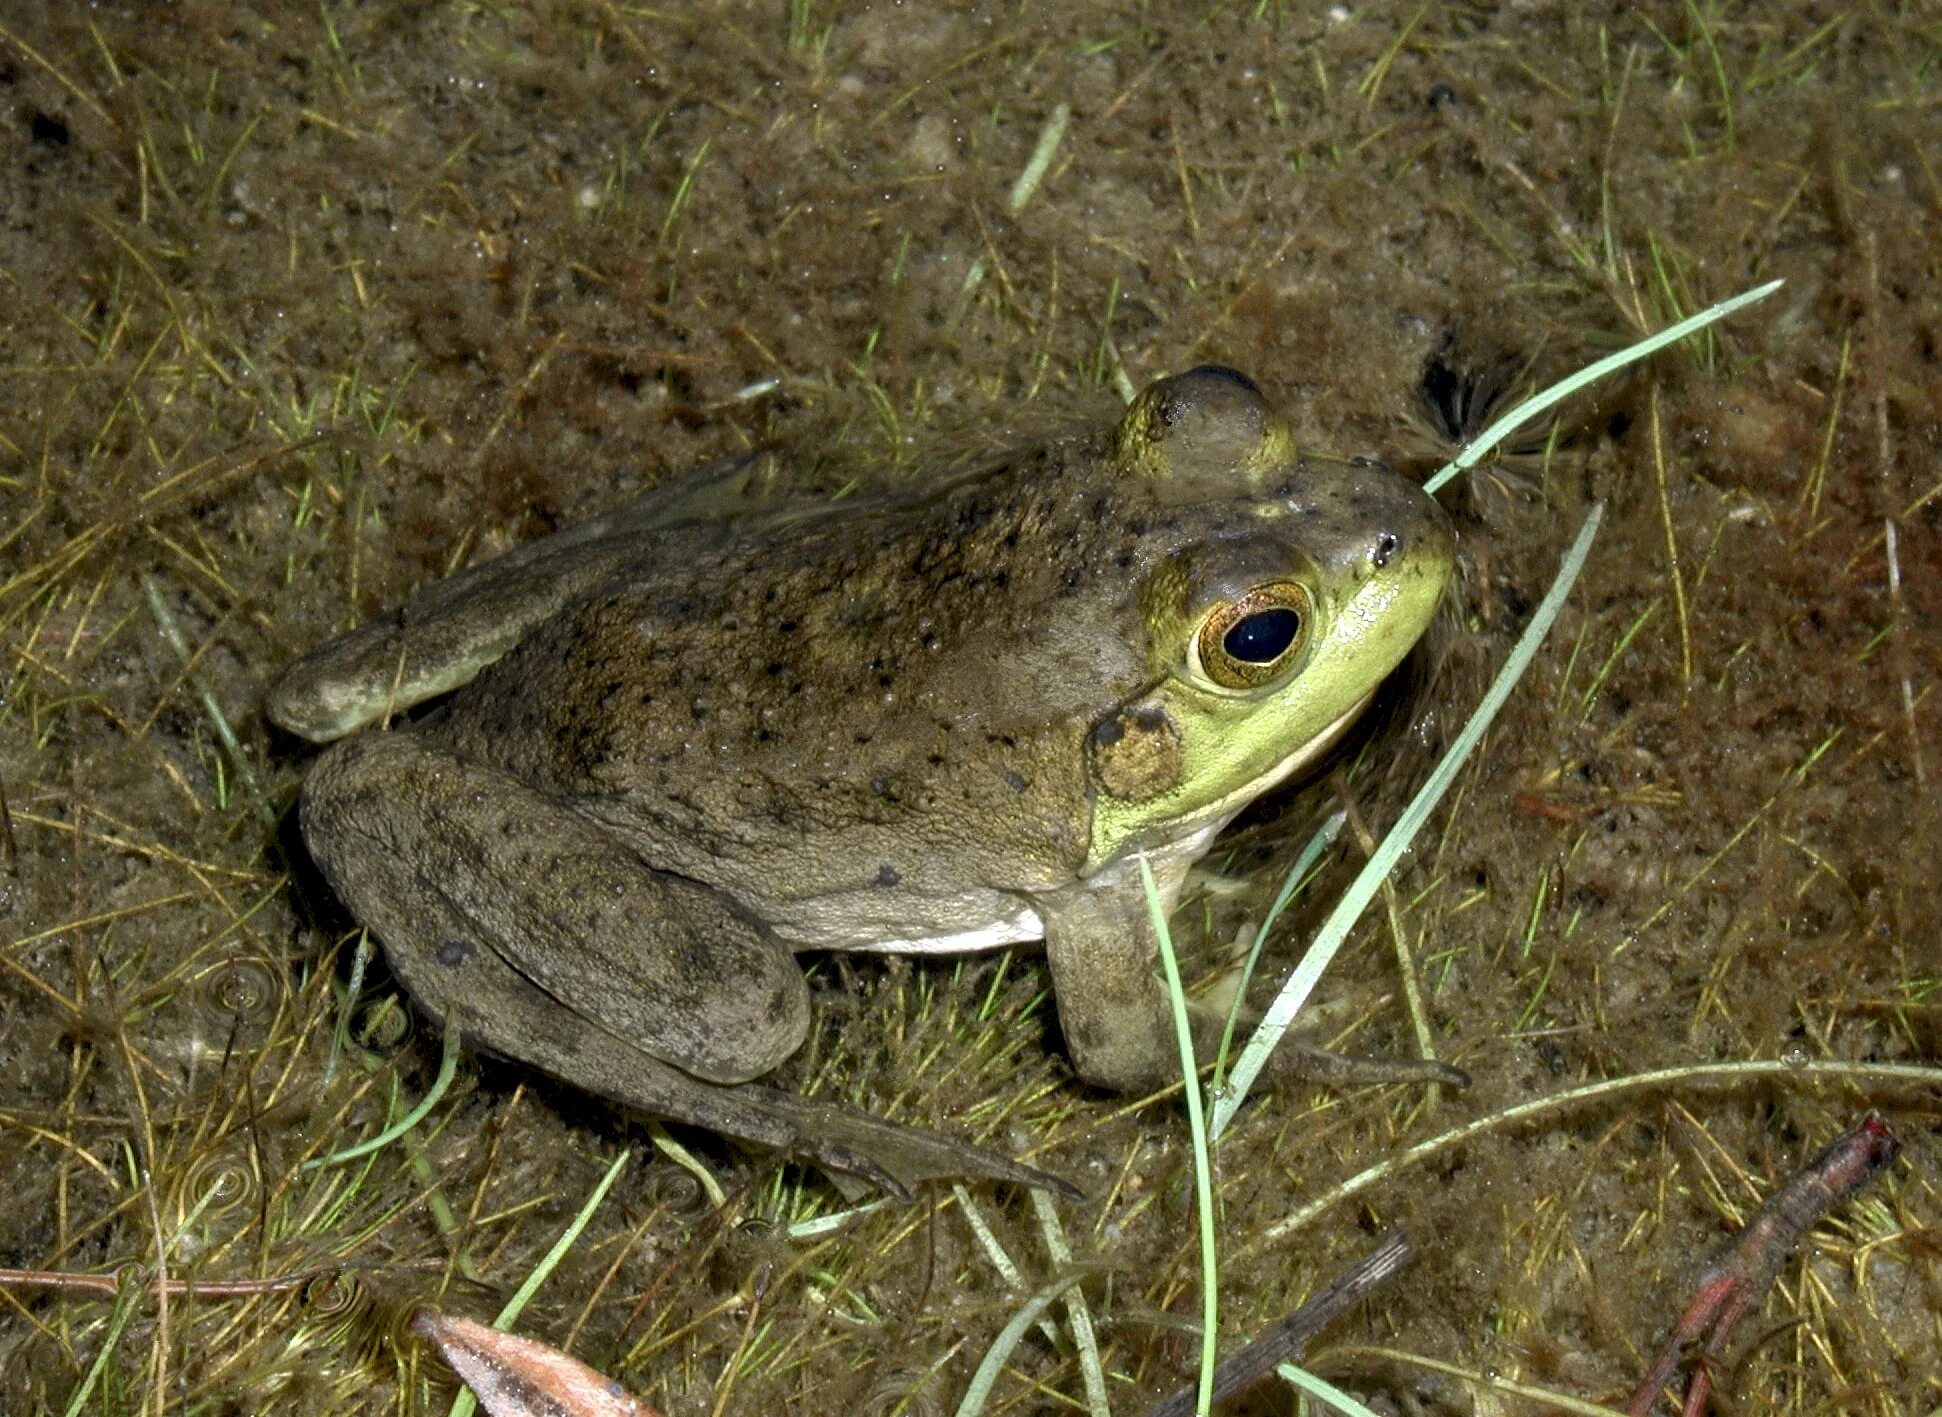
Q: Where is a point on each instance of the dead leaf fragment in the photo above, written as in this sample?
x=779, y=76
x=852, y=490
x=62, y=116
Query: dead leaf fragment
x=522, y=1377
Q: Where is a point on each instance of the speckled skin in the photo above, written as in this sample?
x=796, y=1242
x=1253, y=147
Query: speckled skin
x=938, y=721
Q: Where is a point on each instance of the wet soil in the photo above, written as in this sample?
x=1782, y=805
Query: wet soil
x=303, y=308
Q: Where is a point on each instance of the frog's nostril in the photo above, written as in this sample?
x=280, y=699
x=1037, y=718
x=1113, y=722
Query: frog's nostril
x=1387, y=545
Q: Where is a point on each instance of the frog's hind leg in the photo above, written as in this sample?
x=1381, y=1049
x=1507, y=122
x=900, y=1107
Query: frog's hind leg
x=453, y=628
x=447, y=859
x=506, y=1012
x=543, y=938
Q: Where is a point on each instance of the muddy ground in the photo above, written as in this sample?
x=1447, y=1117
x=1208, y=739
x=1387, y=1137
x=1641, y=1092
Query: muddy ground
x=303, y=308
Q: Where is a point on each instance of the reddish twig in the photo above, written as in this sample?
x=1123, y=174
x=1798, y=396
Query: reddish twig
x=1738, y=1279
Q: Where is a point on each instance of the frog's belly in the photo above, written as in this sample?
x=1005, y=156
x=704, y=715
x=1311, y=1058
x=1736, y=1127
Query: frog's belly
x=980, y=920
x=907, y=921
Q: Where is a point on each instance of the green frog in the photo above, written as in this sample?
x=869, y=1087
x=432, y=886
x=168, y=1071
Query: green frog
x=684, y=747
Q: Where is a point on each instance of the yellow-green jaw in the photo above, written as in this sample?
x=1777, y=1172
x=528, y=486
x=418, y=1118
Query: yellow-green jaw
x=1353, y=559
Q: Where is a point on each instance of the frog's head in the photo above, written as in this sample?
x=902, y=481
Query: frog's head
x=1290, y=588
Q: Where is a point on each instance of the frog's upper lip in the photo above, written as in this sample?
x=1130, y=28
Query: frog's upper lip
x=1224, y=808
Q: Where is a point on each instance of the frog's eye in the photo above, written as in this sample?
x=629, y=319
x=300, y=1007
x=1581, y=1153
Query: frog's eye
x=1249, y=641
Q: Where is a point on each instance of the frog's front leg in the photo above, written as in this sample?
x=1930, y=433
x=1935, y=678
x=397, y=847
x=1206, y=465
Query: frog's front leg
x=1105, y=963
x=541, y=937
x=1118, y=1024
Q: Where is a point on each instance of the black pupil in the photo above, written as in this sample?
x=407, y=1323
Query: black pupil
x=1263, y=637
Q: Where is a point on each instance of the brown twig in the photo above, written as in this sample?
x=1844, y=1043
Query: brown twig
x=180, y=1288
x=1287, y=1338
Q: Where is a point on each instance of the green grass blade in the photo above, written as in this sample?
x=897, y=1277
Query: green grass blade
x=1356, y=898
x=448, y=1066
x=1197, y=1126
x=1323, y=838
x=568, y=1237
x=1487, y=440
x=126, y=1302
x=1085, y=1340
x=464, y=1404
x=982, y=1381
x=1323, y=1392
x=1709, y=1075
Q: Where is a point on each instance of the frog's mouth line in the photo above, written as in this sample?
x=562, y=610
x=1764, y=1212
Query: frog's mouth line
x=1226, y=808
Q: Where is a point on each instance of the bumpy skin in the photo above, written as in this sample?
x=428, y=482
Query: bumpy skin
x=687, y=748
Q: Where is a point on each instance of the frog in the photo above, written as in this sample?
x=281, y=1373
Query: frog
x=666, y=751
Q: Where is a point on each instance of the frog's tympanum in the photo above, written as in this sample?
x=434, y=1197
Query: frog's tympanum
x=684, y=748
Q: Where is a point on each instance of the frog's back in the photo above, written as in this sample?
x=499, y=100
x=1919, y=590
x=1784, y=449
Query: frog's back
x=904, y=667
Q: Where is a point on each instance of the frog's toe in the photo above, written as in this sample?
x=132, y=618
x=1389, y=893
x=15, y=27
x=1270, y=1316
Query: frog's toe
x=1340, y=1070
x=890, y=1155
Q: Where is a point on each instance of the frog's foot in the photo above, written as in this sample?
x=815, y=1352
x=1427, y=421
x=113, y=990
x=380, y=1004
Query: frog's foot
x=1118, y=1022
x=1305, y=1061
x=888, y=1154
x=534, y=1028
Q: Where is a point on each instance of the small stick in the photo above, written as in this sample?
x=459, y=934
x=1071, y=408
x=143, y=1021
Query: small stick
x=9, y=854
x=1287, y=1338
x=197, y=1288
x=1732, y=1284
